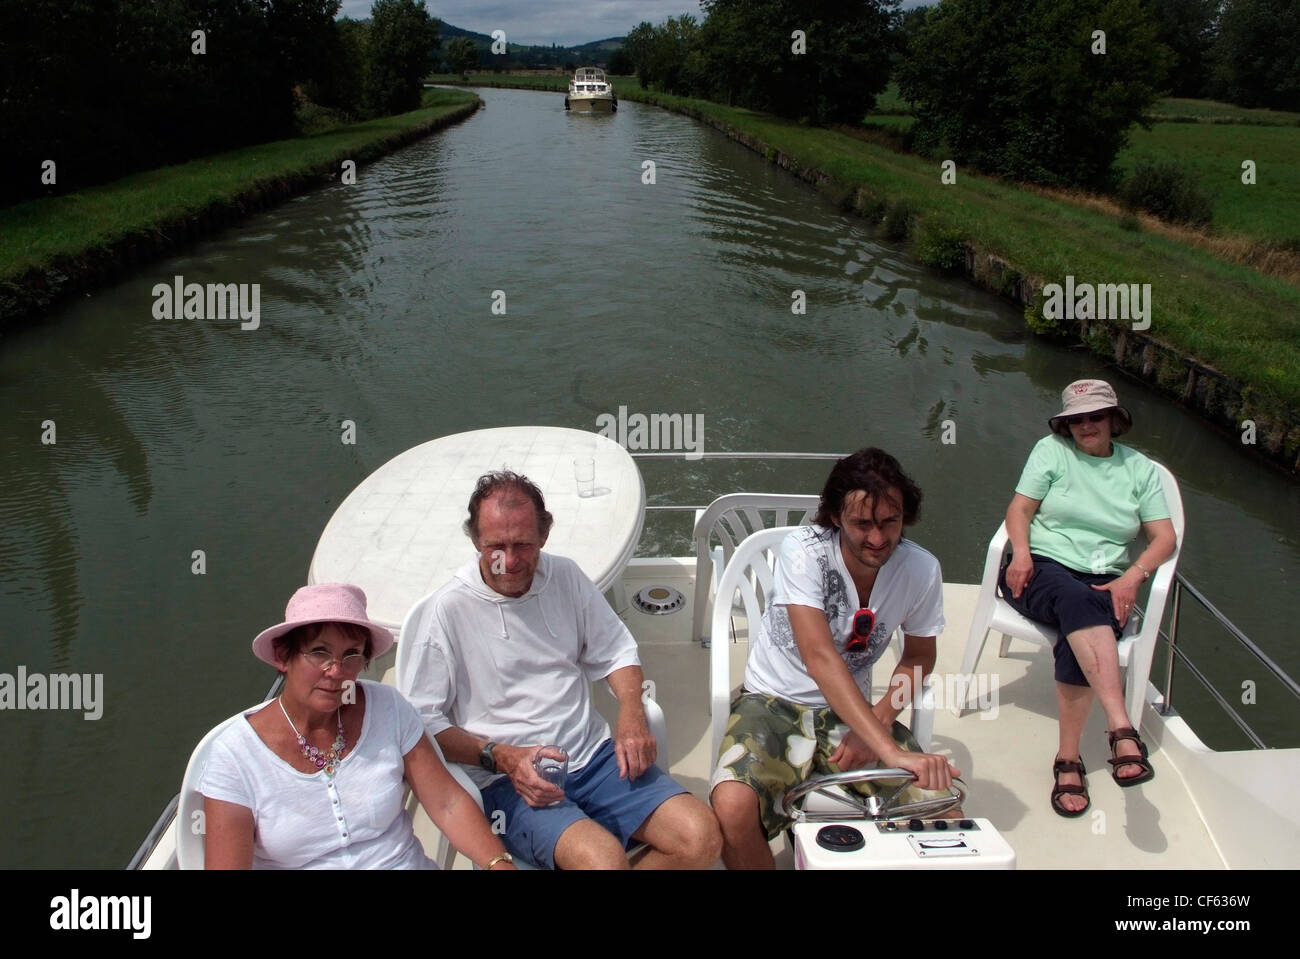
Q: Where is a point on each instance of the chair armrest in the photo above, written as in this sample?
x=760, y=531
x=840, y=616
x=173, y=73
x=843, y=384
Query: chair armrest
x=654, y=717
x=997, y=550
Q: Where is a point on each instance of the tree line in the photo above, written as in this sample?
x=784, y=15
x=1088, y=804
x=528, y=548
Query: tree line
x=96, y=89
x=1038, y=90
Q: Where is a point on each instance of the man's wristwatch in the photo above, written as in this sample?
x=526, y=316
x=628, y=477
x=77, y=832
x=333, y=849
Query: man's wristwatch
x=504, y=857
x=486, y=759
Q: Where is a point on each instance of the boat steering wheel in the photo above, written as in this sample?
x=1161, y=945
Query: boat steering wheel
x=854, y=806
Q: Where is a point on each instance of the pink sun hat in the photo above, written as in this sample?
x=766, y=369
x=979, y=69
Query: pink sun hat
x=323, y=603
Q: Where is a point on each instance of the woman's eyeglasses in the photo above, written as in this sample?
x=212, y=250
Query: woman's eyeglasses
x=352, y=663
x=1088, y=417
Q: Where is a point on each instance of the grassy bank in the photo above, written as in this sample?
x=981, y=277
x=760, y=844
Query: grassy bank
x=1211, y=140
x=1180, y=110
x=1269, y=209
x=49, y=246
x=1226, y=315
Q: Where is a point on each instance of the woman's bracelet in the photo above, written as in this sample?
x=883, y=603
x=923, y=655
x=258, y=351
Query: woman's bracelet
x=1146, y=573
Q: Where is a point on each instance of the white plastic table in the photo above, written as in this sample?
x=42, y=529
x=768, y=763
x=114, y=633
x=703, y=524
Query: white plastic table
x=399, y=534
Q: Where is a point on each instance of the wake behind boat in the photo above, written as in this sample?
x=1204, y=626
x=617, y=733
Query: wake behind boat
x=590, y=92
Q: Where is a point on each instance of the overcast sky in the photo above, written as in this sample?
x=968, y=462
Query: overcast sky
x=566, y=22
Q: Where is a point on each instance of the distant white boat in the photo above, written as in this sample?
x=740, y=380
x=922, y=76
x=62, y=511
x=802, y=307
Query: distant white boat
x=590, y=92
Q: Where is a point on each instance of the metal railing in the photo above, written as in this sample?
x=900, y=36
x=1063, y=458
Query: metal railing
x=726, y=456
x=1181, y=584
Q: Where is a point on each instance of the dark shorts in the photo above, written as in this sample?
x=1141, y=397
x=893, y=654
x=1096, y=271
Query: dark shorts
x=1064, y=599
x=594, y=792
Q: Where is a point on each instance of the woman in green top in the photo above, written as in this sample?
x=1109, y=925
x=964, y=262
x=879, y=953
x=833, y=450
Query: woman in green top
x=1081, y=499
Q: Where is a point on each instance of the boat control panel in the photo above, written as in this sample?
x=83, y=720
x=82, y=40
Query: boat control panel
x=902, y=844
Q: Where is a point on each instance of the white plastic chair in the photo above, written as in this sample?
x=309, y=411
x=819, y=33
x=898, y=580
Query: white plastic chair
x=750, y=573
x=189, y=812
x=724, y=525
x=189, y=831
x=445, y=855
x=1137, y=645
x=654, y=715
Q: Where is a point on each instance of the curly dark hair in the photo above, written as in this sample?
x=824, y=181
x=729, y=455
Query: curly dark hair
x=497, y=481
x=875, y=472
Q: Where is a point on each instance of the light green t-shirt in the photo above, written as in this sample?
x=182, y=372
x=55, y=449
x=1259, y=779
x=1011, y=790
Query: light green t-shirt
x=1092, y=506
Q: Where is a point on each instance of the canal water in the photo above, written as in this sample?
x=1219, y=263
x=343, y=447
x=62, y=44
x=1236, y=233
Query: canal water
x=377, y=307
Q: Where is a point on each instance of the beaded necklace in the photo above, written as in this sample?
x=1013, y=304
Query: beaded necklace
x=326, y=761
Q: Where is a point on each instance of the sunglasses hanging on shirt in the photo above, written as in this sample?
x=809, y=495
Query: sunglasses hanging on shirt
x=864, y=621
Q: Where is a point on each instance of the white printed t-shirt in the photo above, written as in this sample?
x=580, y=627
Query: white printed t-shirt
x=810, y=571
x=352, y=820
x=516, y=670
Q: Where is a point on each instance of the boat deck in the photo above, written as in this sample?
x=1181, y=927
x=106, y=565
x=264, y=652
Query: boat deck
x=1004, y=753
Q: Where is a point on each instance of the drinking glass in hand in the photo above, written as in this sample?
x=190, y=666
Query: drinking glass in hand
x=554, y=771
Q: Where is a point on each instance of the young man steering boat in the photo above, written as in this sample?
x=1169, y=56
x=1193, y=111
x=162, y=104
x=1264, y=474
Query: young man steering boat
x=842, y=588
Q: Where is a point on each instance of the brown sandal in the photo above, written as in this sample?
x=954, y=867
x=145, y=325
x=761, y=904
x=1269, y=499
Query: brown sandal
x=1147, y=774
x=1069, y=766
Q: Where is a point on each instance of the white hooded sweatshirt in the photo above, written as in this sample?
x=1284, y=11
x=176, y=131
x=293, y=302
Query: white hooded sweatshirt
x=516, y=670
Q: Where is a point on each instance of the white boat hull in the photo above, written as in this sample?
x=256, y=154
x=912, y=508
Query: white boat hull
x=595, y=104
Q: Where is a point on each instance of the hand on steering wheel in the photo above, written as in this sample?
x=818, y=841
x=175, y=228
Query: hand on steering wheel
x=884, y=805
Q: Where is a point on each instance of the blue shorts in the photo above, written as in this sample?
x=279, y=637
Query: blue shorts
x=1064, y=599
x=593, y=792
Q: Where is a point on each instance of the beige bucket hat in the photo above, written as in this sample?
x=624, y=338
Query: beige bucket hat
x=1089, y=396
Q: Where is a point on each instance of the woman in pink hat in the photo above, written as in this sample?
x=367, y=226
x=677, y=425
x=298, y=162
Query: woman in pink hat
x=1080, y=501
x=317, y=778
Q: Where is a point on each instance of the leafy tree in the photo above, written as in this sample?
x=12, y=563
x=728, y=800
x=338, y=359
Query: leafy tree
x=667, y=57
x=462, y=55
x=106, y=87
x=1258, y=54
x=620, y=64
x=637, y=46
x=303, y=31
x=242, y=79
x=401, y=37
x=748, y=45
x=734, y=56
x=1187, y=28
x=908, y=25
x=342, y=86
x=1016, y=89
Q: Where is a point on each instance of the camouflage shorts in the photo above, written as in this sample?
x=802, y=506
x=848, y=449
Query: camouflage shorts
x=772, y=744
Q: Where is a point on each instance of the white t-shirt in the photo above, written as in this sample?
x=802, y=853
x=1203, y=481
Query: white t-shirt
x=810, y=571
x=351, y=820
x=516, y=670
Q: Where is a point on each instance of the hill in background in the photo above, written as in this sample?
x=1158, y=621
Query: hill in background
x=519, y=56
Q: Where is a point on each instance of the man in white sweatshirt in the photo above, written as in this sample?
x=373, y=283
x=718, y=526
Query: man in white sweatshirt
x=499, y=665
